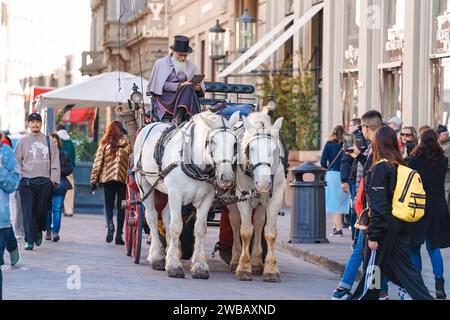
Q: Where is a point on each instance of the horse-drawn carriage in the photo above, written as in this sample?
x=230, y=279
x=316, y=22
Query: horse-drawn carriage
x=203, y=191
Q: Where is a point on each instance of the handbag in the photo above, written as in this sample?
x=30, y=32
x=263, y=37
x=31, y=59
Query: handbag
x=9, y=179
x=362, y=223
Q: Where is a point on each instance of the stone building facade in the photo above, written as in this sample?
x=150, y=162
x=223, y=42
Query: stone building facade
x=143, y=29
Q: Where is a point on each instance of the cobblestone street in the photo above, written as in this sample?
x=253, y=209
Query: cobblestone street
x=107, y=273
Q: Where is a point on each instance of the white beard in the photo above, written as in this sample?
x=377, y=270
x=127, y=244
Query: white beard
x=180, y=67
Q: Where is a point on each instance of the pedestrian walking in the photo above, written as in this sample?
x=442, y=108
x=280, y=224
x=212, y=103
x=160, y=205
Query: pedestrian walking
x=337, y=201
x=38, y=159
x=434, y=228
x=371, y=121
x=59, y=193
x=444, y=140
x=68, y=146
x=409, y=139
x=351, y=170
x=386, y=234
x=110, y=171
x=9, y=179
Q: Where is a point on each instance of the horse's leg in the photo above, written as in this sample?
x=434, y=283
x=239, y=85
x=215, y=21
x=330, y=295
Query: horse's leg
x=259, y=218
x=244, y=269
x=271, y=271
x=156, y=255
x=173, y=262
x=165, y=214
x=200, y=269
x=235, y=221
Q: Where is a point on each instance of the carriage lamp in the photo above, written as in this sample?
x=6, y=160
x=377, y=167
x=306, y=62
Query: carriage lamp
x=270, y=102
x=136, y=96
x=216, y=36
x=246, y=31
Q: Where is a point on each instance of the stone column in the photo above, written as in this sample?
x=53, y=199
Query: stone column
x=332, y=65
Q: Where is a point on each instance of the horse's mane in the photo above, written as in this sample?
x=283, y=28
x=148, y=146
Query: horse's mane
x=209, y=115
x=260, y=119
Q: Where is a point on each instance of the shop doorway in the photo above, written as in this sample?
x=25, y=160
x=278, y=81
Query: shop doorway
x=349, y=92
x=440, y=77
x=391, y=86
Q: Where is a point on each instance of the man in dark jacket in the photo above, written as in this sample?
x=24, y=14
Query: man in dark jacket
x=68, y=147
x=349, y=167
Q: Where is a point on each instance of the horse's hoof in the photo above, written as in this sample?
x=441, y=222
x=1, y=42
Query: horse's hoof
x=159, y=265
x=233, y=267
x=243, y=276
x=176, y=273
x=202, y=275
x=272, y=277
x=257, y=270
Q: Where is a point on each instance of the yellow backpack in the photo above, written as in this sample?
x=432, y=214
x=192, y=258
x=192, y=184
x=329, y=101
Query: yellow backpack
x=409, y=199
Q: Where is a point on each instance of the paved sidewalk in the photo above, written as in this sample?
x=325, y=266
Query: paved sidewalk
x=333, y=256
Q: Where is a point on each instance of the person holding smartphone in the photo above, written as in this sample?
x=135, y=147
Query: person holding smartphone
x=176, y=84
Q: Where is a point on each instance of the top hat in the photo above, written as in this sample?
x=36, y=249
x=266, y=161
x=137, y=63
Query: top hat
x=181, y=45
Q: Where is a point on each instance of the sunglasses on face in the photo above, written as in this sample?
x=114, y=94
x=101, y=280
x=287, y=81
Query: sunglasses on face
x=408, y=135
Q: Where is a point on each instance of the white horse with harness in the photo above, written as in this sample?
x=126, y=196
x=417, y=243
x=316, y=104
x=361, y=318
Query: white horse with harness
x=260, y=171
x=187, y=166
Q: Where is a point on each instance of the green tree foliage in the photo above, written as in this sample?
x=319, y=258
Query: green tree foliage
x=296, y=102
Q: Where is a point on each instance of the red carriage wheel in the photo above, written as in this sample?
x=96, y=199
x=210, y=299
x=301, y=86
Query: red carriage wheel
x=128, y=228
x=138, y=235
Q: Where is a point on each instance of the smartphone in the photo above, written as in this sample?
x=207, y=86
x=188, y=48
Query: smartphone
x=348, y=142
x=196, y=79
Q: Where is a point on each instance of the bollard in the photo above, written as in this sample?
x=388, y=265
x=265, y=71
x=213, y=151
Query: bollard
x=308, y=217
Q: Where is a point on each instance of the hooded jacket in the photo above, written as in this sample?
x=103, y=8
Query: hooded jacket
x=67, y=145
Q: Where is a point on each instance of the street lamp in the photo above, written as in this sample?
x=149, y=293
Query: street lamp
x=216, y=41
x=246, y=31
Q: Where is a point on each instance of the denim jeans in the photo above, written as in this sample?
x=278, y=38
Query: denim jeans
x=7, y=241
x=353, y=264
x=353, y=216
x=54, y=216
x=435, y=257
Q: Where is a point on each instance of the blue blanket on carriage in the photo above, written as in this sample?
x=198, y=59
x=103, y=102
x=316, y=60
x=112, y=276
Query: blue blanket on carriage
x=245, y=110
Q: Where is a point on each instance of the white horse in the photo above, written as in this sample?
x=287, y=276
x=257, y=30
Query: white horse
x=207, y=141
x=260, y=171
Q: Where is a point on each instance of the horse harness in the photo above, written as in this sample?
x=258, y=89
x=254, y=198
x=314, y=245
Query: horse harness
x=208, y=174
x=250, y=168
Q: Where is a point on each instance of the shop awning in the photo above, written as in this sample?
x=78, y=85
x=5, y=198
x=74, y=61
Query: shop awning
x=298, y=24
x=258, y=45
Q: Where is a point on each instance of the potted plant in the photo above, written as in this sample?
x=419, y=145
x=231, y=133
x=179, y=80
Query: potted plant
x=296, y=102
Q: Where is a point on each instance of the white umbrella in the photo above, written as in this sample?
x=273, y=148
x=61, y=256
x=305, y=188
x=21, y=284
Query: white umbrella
x=98, y=91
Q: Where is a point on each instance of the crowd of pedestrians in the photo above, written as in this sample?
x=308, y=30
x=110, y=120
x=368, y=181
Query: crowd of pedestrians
x=369, y=176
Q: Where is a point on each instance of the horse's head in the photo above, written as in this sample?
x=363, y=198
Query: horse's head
x=260, y=147
x=221, y=147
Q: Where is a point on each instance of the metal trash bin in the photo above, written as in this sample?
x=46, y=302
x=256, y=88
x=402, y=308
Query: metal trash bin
x=308, y=216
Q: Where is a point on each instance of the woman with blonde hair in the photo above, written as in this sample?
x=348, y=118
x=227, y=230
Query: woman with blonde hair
x=110, y=171
x=337, y=201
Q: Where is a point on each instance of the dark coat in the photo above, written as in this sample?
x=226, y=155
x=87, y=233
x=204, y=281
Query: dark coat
x=435, y=225
x=332, y=152
x=392, y=235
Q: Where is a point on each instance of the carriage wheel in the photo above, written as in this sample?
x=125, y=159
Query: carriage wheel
x=130, y=231
x=138, y=240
